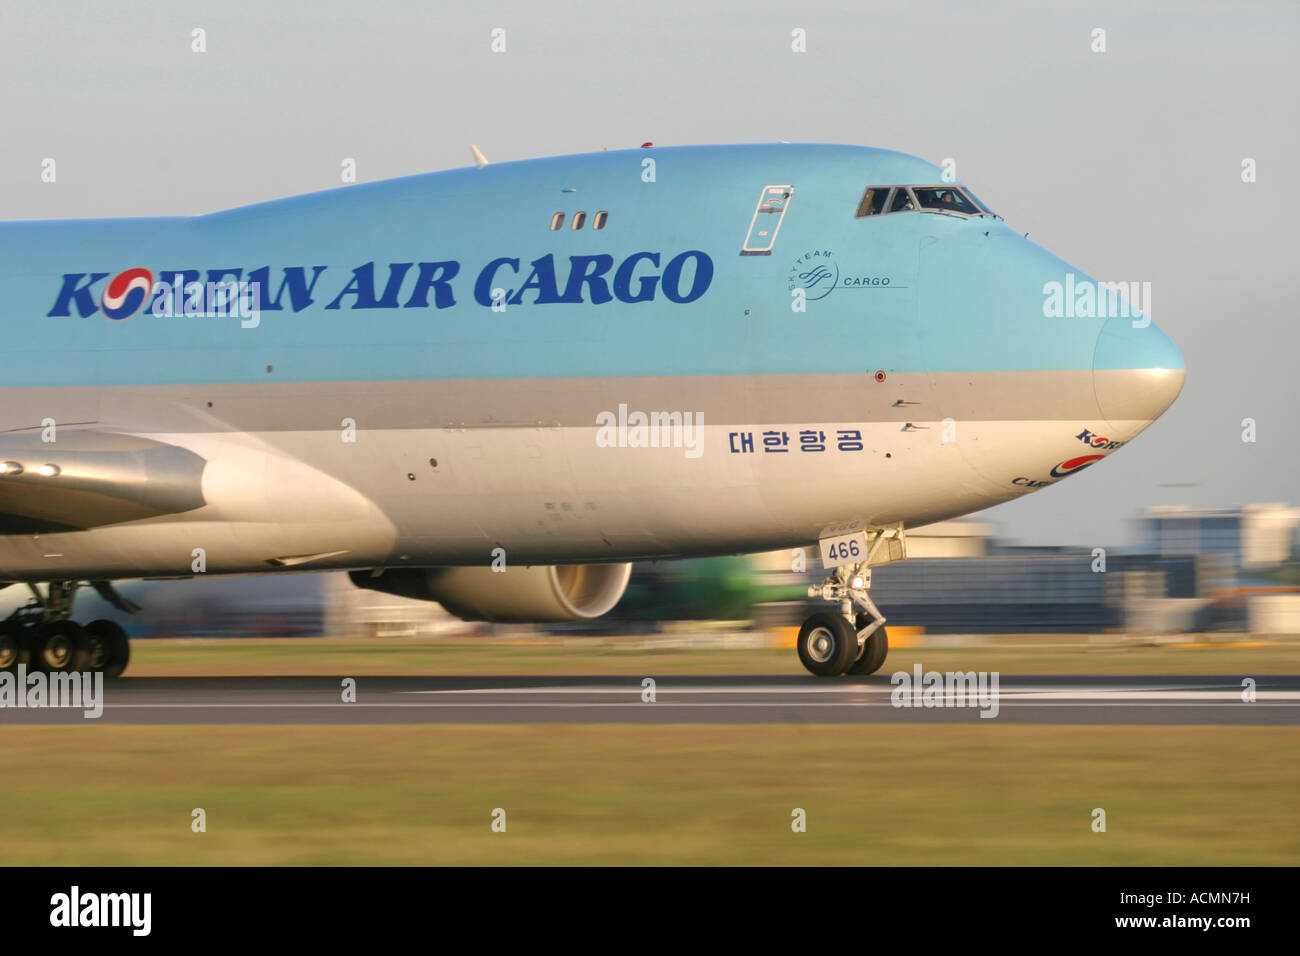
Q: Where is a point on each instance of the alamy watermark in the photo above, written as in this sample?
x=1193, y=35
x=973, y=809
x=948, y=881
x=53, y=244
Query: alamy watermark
x=950, y=689
x=74, y=908
x=209, y=300
x=638, y=429
x=1089, y=299
x=75, y=690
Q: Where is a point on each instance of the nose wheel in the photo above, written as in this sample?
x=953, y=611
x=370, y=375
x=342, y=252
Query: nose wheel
x=828, y=644
x=874, y=650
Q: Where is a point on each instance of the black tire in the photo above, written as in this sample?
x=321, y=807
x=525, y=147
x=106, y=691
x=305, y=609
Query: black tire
x=59, y=647
x=827, y=644
x=98, y=650
x=111, y=645
x=874, y=651
x=12, y=652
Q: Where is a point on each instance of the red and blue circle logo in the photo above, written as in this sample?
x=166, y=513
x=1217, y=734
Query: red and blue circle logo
x=125, y=293
x=1075, y=464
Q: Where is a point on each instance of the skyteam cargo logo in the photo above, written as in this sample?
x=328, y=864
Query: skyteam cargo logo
x=500, y=284
x=816, y=274
x=125, y=293
x=1075, y=464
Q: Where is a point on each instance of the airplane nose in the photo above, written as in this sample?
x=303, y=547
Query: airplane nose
x=1137, y=371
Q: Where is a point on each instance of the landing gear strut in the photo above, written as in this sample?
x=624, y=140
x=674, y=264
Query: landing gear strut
x=850, y=641
x=43, y=635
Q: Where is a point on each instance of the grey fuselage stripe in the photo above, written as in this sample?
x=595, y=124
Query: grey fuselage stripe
x=554, y=403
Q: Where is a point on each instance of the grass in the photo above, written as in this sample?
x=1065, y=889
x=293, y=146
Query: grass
x=576, y=656
x=1003, y=794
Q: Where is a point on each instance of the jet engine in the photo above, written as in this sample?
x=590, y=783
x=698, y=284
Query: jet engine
x=536, y=595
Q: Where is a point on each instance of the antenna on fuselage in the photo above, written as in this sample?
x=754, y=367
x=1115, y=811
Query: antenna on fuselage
x=479, y=159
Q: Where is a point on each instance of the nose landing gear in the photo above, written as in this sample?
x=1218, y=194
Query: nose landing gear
x=848, y=641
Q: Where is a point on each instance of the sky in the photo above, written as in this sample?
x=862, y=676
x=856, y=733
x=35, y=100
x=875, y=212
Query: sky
x=1126, y=163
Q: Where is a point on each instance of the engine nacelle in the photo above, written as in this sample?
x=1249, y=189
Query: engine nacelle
x=534, y=595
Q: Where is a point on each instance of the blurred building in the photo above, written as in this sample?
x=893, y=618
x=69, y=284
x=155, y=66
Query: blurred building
x=951, y=539
x=1066, y=591
x=1255, y=535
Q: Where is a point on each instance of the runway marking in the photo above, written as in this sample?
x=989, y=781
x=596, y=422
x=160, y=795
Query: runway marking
x=620, y=703
x=661, y=687
x=636, y=689
x=1276, y=695
x=1134, y=694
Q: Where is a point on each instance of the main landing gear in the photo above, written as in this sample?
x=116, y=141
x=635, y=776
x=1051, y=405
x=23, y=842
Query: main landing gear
x=43, y=636
x=850, y=641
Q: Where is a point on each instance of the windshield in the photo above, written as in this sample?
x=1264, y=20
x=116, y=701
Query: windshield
x=950, y=199
x=902, y=200
x=945, y=199
x=977, y=201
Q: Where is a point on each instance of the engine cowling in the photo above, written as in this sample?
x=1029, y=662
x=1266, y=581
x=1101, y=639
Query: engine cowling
x=534, y=595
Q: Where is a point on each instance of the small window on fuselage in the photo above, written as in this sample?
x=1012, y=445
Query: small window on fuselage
x=873, y=201
x=599, y=221
x=557, y=221
x=578, y=219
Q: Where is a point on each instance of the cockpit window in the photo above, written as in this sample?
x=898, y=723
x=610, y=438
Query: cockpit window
x=945, y=199
x=949, y=199
x=873, y=201
x=902, y=200
x=977, y=201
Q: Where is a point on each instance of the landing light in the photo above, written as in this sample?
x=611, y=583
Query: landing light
x=10, y=468
x=49, y=471
x=859, y=581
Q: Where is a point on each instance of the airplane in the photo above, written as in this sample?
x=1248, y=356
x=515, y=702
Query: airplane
x=496, y=387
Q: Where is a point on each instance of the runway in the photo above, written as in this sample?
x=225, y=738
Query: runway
x=781, y=699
